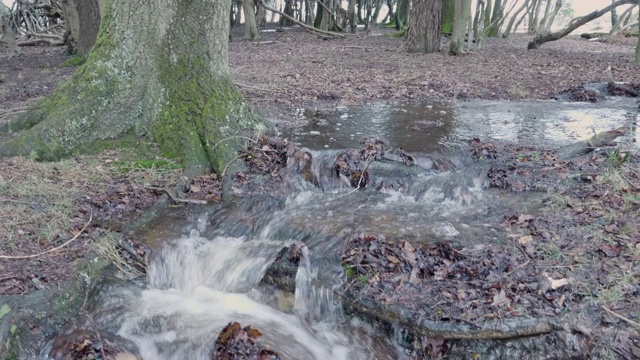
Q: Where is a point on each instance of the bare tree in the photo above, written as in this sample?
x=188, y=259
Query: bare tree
x=575, y=23
x=424, y=30
x=158, y=68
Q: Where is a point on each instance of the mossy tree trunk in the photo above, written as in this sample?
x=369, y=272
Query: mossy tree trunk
x=158, y=68
x=448, y=9
x=425, y=28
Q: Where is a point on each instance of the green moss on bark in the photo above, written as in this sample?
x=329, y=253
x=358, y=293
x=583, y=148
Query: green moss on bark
x=200, y=111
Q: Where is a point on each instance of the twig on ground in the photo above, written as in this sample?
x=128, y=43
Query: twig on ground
x=621, y=317
x=50, y=250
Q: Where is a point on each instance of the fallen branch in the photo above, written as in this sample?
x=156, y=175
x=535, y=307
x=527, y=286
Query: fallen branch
x=629, y=321
x=35, y=42
x=628, y=89
x=50, y=250
x=576, y=23
x=310, y=29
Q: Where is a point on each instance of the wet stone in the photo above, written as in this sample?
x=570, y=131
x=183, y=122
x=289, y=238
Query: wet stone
x=238, y=343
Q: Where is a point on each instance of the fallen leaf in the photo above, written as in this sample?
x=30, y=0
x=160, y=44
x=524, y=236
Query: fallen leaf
x=500, y=299
x=525, y=239
x=556, y=284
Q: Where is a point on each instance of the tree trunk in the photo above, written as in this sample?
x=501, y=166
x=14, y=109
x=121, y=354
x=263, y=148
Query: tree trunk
x=638, y=44
x=82, y=22
x=575, y=23
x=614, y=15
x=250, y=25
x=425, y=26
x=288, y=9
x=460, y=15
x=351, y=16
x=552, y=17
x=8, y=36
x=448, y=16
x=496, y=16
x=261, y=16
x=402, y=14
x=158, y=68
x=514, y=18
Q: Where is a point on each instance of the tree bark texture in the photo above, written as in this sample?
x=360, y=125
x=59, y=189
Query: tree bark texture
x=82, y=22
x=574, y=24
x=158, y=68
x=425, y=27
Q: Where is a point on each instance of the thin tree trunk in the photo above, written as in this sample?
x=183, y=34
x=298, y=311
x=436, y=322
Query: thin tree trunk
x=514, y=18
x=8, y=36
x=547, y=13
x=402, y=14
x=552, y=18
x=575, y=23
x=424, y=30
x=158, y=68
x=461, y=15
x=638, y=44
x=82, y=21
x=614, y=15
x=351, y=16
x=448, y=16
x=250, y=25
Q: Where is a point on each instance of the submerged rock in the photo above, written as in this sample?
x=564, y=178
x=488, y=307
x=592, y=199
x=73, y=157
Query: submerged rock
x=238, y=343
x=83, y=344
x=282, y=272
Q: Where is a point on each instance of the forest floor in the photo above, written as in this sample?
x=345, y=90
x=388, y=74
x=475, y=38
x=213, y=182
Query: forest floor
x=586, y=246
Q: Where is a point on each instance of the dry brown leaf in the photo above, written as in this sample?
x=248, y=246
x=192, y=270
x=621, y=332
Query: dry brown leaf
x=500, y=299
x=523, y=240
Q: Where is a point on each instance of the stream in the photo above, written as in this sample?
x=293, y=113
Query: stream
x=208, y=262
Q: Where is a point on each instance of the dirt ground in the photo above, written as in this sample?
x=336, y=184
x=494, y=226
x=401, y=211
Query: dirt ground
x=301, y=70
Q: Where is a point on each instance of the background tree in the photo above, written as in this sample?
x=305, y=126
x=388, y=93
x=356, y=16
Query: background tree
x=6, y=29
x=250, y=23
x=461, y=16
x=425, y=27
x=82, y=22
x=158, y=68
x=638, y=45
x=576, y=23
x=448, y=16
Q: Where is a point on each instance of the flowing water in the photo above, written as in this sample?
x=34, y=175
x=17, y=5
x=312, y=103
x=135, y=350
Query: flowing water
x=208, y=262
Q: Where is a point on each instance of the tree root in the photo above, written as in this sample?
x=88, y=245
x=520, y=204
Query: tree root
x=490, y=330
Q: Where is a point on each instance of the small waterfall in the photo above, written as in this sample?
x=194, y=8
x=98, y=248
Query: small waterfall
x=313, y=300
x=223, y=263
